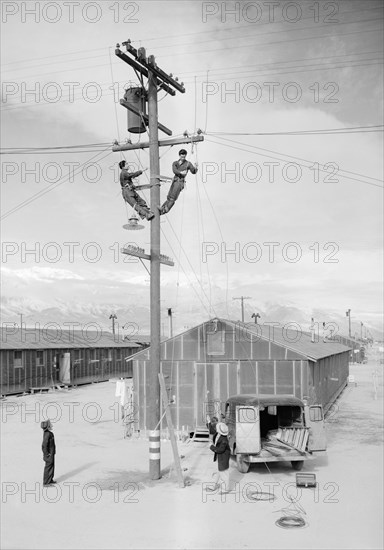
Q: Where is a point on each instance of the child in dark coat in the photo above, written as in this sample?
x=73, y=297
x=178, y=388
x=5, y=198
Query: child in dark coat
x=222, y=453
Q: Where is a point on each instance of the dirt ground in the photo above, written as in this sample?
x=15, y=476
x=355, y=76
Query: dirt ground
x=104, y=498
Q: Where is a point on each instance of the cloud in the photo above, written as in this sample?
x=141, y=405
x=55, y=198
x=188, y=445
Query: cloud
x=39, y=274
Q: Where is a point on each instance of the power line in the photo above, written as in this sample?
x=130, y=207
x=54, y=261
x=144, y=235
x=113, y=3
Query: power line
x=240, y=70
x=49, y=188
x=224, y=30
x=295, y=158
x=327, y=131
x=242, y=67
x=197, y=52
x=238, y=76
x=58, y=149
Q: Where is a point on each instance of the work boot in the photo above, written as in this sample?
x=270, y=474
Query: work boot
x=150, y=215
x=212, y=489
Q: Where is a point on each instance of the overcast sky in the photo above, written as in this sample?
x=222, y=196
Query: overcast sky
x=249, y=68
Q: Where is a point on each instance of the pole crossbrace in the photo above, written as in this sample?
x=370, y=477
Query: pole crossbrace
x=163, y=143
x=140, y=253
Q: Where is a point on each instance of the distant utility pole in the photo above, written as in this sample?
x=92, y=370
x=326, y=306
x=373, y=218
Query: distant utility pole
x=170, y=322
x=348, y=314
x=242, y=298
x=361, y=330
x=156, y=79
x=255, y=316
x=113, y=317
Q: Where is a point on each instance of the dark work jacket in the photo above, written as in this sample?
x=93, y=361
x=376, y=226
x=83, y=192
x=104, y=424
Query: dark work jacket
x=48, y=446
x=211, y=427
x=222, y=452
x=127, y=177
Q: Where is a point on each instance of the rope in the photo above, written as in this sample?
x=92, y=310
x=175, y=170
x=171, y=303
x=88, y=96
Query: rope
x=222, y=240
x=117, y=127
x=177, y=284
x=201, y=218
x=206, y=109
x=116, y=118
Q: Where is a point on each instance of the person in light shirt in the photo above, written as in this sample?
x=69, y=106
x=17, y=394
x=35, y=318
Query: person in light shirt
x=180, y=169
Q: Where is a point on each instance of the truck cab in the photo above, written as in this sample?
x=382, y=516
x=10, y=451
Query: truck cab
x=273, y=428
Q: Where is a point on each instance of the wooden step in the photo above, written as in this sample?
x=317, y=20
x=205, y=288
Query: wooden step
x=201, y=433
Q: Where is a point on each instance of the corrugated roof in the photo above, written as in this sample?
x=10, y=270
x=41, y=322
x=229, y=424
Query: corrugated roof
x=30, y=338
x=294, y=340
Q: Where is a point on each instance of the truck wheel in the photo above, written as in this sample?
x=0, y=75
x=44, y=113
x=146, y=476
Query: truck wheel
x=242, y=465
x=297, y=464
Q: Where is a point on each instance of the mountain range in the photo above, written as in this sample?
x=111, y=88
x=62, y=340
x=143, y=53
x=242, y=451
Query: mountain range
x=135, y=318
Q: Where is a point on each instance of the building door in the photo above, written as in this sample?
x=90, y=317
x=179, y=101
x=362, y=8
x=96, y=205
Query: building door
x=207, y=392
x=65, y=368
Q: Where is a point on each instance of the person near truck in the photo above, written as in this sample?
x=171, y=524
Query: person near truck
x=221, y=450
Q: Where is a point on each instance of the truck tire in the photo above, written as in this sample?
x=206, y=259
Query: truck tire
x=242, y=465
x=297, y=464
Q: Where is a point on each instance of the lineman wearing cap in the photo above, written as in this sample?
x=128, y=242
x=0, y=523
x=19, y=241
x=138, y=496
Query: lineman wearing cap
x=222, y=453
x=129, y=193
x=180, y=169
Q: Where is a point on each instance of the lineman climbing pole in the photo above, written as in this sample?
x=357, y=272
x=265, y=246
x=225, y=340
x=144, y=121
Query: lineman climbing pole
x=157, y=79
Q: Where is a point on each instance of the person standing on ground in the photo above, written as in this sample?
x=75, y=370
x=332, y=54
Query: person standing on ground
x=222, y=452
x=49, y=451
x=211, y=425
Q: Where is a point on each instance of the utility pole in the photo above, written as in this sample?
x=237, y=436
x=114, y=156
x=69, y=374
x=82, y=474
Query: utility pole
x=242, y=298
x=361, y=330
x=113, y=317
x=255, y=316
x=348, y=314
x=170, y=322
x=157, y=79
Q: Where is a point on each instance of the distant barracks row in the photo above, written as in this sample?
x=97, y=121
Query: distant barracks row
x=33, y=359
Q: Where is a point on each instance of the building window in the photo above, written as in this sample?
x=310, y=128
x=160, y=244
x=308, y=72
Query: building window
x=76, y=354
x=216, y=343
x=18, y=359
x=93, y=356
x=247, y=415
x=107, y=356
x=315, y=414
x=40, y=358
